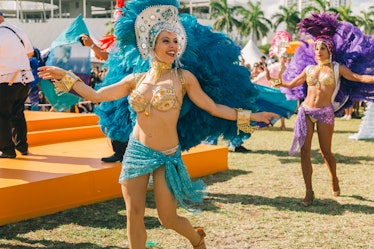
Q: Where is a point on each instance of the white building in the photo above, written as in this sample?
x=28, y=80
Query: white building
x=54, y=16
x=41, y=10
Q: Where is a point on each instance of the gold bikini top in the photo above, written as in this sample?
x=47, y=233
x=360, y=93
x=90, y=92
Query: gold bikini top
x=323, y=78
x=163, y=98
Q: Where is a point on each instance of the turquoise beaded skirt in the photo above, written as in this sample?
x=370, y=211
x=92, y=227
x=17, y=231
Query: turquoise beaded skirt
x=140, y=160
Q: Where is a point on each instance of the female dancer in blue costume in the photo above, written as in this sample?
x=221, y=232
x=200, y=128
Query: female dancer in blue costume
x=156, y=96
x=322, y=85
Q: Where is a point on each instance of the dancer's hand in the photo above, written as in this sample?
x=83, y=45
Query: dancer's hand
x=264, y=117
x=51, y=73
x=86, y=40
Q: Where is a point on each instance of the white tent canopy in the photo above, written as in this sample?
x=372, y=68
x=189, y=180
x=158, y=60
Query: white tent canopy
x=251, y=53
x=367, y=125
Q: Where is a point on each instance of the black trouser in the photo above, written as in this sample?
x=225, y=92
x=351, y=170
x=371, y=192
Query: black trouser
x=12, y=118
x=119, y=148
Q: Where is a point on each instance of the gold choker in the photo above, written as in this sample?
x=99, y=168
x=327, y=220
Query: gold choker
x=158, y=67
x=323, y=62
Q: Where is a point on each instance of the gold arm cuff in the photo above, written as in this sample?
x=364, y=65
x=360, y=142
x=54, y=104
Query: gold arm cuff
x=243, y=121
x=66, y=83
x=276, y=82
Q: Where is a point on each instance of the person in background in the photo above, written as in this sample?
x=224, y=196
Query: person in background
x=100, y=54
x=15, y=78
x=263, y=60
x=119, y=147
x=43, y=102
x=265, y=77
x=256, y=70
x=35, y=62
x=276, y=72
x=348, y=113
x=323, y=81
x=95, y=77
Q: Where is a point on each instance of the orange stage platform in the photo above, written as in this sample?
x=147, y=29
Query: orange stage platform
x=63, y=169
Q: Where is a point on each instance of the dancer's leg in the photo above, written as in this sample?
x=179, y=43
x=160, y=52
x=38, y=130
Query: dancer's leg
x=134, y=193
x=283, y=124
x=167, y=209
x=325, y=133
x=306, y=163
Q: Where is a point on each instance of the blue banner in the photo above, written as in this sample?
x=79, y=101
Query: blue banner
x=68, y=53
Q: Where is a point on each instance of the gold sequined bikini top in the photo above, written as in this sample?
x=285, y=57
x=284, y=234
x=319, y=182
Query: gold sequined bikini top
x=163, y=99
x=323, y=78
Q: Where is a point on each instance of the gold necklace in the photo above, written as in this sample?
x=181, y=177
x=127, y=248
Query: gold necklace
x=158, y=66
x=323, y=62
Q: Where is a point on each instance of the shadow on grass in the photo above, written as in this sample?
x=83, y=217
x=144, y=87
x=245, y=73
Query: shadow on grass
x=316, y=157
x=325, y=206
x=357, y=197
x=345, y=131
x=106, y=215
x=48, y=244
x=369, y=140
x=224, y=176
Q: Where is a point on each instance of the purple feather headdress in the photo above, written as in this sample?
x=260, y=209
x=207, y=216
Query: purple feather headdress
x=322, y=27
x=353, y=49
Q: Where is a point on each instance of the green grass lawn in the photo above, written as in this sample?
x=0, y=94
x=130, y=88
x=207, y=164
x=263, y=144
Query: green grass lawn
x=255, y=204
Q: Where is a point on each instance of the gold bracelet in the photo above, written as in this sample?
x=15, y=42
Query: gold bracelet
x=276, y=82
x=243, y=120
x=66, y=83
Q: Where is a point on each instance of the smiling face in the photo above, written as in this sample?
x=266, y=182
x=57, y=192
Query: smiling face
x=321, y=51
x=166, y=47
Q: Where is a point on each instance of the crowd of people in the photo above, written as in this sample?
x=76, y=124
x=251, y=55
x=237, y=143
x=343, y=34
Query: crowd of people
x=169, y=103
x=262, y=73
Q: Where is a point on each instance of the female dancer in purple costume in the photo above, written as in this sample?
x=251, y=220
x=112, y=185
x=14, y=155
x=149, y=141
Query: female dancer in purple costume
x=317, y=109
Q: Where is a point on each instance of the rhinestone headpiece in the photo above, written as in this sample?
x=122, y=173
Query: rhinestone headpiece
x=327, y=40
x=151, y=21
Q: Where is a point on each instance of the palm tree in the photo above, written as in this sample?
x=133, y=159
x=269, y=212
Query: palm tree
x=288, y=15
x=322, y=6
x=254, y=21
x=345, y=14
x=366, y=21
x=224, y=16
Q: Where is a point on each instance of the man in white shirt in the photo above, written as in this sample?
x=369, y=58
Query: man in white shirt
x=15, y=76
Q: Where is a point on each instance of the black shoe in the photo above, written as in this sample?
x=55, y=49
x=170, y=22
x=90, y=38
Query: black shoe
x=4, y=155
x=112, y=159
x=23, y=149
x=241, y=148
x=24, y=153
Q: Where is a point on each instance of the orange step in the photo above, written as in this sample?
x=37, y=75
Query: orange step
x=64, y=135
x=55, y=127
x=40, y=121
x=62, y=175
